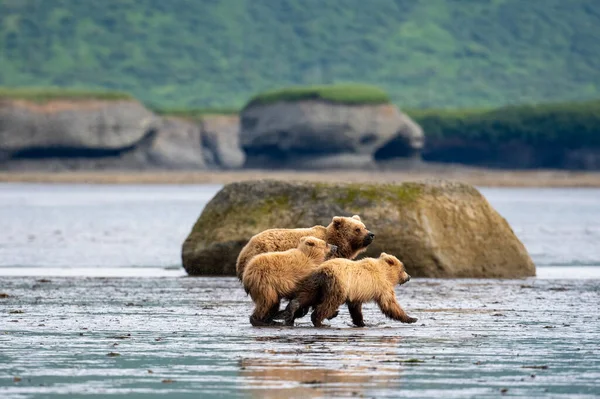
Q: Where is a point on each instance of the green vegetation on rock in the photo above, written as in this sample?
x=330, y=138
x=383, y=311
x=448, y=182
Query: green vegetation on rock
x=42, y=95
x=195, y=113
x=399, y=194
x=253, y=215
x=201, y=53
x=341, y=94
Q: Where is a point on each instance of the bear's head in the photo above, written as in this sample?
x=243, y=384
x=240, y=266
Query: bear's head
x=394, y=269
x=316, y=248
x=350, y=235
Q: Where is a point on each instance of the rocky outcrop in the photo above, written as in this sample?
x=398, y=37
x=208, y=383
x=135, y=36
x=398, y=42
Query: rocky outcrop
x=177, y=145
x=95, y=134
x=407, y=143
x=221, y=138
x=438, y=229
x=66, y=124
x=318, y=134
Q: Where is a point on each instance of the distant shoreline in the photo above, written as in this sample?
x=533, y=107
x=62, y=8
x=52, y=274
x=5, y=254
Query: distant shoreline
x=474, y=176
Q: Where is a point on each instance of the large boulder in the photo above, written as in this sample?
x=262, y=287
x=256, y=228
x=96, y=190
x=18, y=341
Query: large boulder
x=221, y=138
x=438, y=229
x=321, y=134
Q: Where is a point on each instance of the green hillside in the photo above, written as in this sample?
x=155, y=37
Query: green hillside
x=569, y=125
x=209, y=53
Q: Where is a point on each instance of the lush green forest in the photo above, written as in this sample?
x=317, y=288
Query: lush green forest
x=209, y=53
x=568, y=125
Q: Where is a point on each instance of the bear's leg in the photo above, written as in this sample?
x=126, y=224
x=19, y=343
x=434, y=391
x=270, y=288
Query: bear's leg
x=298, y=313
x=298, y=307
x=322, y=312
x=266, y=307
x=355, y=309
x=390, y=307
x=257, y=321
x=289, y=314
x=327, y=298
x=326, y=310
x=317, y=317
x=307, y=295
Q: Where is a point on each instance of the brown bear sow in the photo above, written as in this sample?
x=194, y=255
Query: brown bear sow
x=339, y=281
x=271, y=276
x=349, y=234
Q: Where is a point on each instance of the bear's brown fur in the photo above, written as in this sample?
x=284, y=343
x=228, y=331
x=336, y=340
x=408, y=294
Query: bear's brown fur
x=271, y=276
x=339, y=281
x=349, y=235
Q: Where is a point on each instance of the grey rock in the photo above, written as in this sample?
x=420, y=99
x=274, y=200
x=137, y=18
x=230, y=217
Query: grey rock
x=93, y=134
x=407, y=143
x=221, y=138
x=438, y=229
x=177, y=144
x=90, y=124
x=285, y=132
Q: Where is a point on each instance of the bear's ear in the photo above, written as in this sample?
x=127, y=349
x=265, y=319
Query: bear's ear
x=356, y=217
x=338, y=222
x=383, y=254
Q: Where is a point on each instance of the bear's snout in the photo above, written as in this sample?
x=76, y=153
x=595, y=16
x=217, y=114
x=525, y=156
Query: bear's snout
x=368, y=238
x=408, y=277
x=333, y=249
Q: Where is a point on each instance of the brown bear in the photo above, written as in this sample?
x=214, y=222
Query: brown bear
x=349, y=235
x=271, y=276
x=339, y=281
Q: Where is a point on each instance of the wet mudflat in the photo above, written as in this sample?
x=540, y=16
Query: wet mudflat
x=190, y=337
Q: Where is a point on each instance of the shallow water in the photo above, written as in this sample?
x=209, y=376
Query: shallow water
x=534, y=337
x=68, y=226
x=110, y=257
x=559, y=227
x=74, y=226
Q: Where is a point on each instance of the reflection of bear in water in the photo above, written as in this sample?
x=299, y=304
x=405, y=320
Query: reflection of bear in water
x=339, y=281
x=274, y=275
x=349, y=234
x=362, y=365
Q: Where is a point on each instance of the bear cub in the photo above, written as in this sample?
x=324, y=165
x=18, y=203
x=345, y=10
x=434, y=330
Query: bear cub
x=349, y=234
x=271, y=276
x=339, y=281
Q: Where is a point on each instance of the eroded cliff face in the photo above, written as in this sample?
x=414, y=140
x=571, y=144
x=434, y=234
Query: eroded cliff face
x=106, y=134
x=62, y=124
x=221, y=138
x=314, y=134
